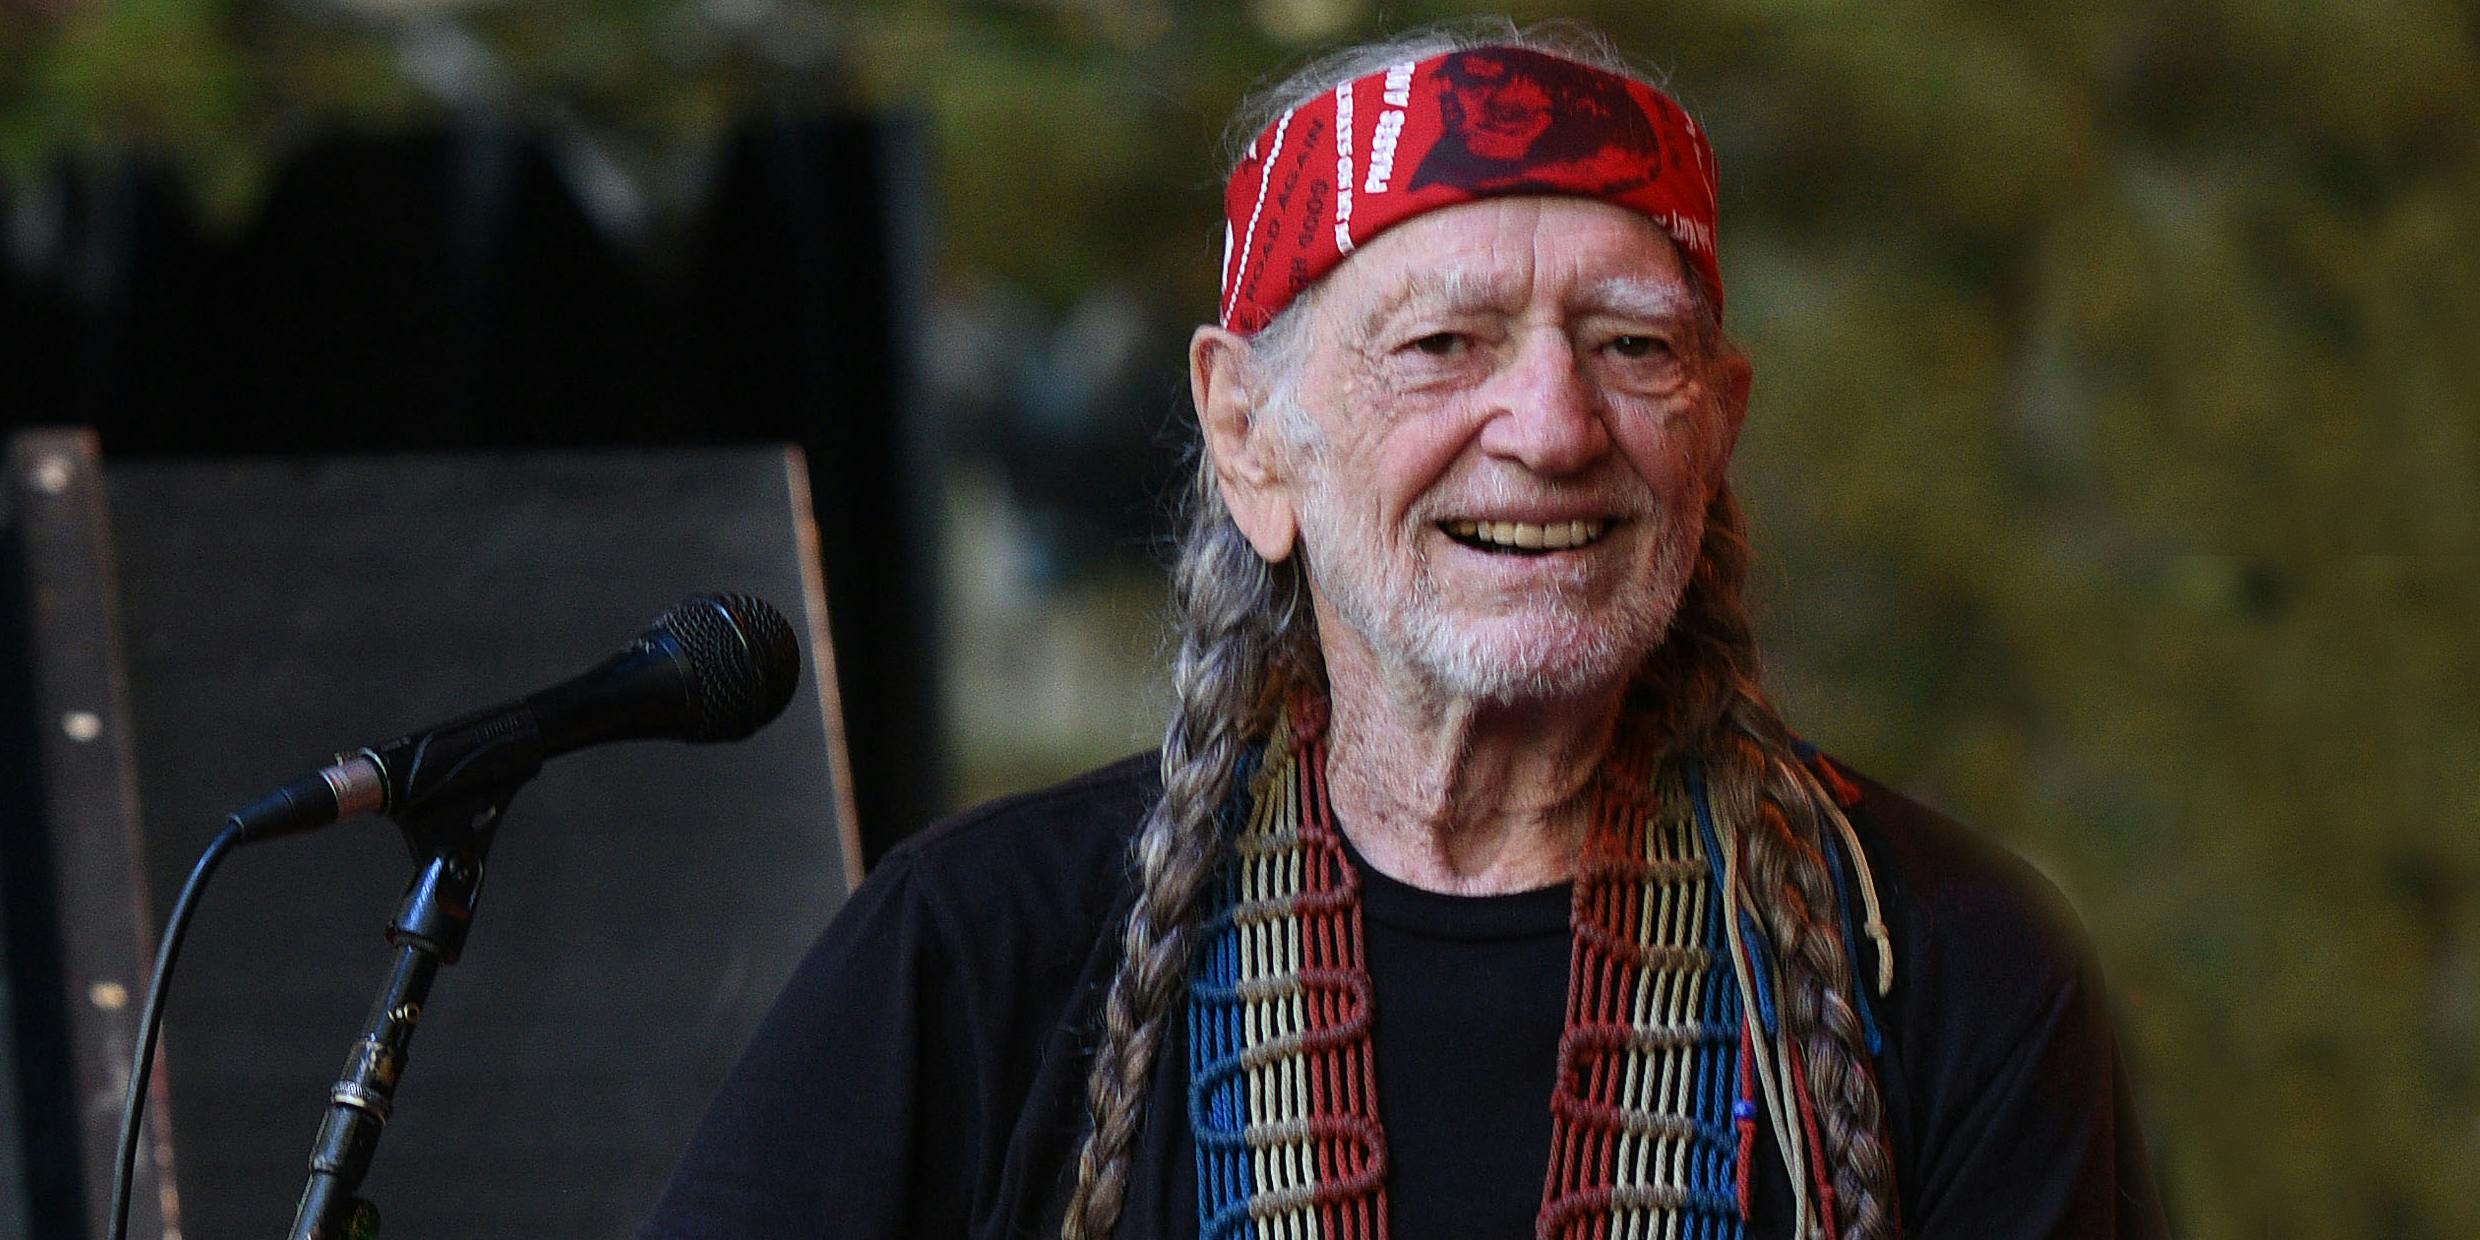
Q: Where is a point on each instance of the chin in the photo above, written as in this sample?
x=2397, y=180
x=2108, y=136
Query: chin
x=1541, y=656
x=1571, y=640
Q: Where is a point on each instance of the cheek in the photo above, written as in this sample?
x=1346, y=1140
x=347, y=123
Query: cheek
x=1673, y=448
x=1418, y=456
x=1403, y=445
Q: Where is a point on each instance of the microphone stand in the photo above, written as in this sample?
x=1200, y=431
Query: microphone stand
x=449, y=842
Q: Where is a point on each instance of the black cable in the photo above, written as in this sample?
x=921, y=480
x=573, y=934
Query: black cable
x=150, y=1018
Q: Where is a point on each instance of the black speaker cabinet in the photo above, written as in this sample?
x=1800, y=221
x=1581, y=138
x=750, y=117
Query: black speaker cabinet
x=185, y=635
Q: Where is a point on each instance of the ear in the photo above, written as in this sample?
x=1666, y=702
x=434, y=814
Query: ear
x=1733, y=379
x=1248, y=460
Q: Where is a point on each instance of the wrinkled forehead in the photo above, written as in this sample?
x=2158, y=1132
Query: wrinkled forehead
x=1460, y=290
x=1567, y=256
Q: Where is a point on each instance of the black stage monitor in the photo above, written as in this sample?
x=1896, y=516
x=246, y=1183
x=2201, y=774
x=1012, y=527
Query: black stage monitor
x=644, y=901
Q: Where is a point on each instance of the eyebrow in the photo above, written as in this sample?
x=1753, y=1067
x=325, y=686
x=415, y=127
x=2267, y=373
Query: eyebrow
x=1637, y=297
x=1454, y=289
x=1457, y=290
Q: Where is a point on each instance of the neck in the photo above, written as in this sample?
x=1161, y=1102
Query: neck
x=1456, y=795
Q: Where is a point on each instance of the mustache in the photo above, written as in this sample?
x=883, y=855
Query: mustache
x=1615, y=495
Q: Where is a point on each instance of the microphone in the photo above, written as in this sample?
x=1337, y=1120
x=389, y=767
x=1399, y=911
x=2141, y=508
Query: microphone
x=715, y=667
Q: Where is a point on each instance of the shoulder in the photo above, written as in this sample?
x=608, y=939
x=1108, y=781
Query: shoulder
x=945, y=988
x=1041, y=871
x=1967, y=915
x=1995, y=978
x=2004, y=1084
x=1097, y=808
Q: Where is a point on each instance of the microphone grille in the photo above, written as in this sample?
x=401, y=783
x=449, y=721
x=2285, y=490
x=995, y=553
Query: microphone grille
x=743, y=662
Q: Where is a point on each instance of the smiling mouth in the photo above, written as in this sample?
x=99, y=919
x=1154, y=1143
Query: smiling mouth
x=1525, y=537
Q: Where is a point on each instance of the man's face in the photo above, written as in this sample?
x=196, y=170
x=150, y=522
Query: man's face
x=1517, y=426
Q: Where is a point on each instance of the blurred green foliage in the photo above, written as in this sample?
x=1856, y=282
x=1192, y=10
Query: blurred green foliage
x=2116, y=459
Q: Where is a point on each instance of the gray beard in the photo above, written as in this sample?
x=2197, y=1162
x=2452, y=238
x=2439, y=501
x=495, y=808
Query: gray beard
x=1399, y=616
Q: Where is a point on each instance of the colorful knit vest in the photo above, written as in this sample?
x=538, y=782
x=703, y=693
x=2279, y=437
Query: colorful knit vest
x=1670, y=1039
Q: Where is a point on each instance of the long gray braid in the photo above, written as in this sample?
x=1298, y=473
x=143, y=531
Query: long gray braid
x=1703, y=684
x=1244, y=629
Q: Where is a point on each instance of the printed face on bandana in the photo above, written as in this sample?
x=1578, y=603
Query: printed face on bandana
x=1498, y=113
x=1517, y=433
x=1513, y=119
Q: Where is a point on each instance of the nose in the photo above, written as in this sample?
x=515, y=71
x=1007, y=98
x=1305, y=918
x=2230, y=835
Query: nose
x=1544, y=413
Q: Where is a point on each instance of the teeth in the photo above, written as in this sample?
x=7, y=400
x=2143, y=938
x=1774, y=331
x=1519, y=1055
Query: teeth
x=1528, y=535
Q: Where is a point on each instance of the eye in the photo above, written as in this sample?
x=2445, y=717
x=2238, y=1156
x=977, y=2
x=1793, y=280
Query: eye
x=1443, y=344
x=1641, y=347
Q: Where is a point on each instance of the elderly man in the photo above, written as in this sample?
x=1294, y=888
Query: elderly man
x=1477, y=890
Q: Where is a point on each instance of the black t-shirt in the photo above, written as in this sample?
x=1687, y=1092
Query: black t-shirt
x=923, y=1074
x=1470, y=997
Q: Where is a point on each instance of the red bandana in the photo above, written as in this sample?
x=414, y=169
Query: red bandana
x=1333, y=172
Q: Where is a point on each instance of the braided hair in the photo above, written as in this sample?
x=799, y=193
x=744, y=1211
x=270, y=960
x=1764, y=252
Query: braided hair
x=1246, y=636
x=1703, y=686
x=1244, y=631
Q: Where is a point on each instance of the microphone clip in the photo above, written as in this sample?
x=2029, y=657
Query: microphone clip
x=450, y=840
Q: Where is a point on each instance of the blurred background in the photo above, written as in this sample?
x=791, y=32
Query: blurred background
x=2115, y=463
